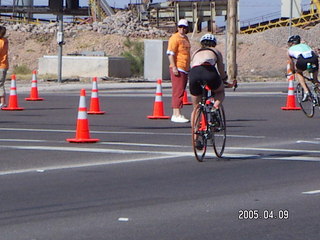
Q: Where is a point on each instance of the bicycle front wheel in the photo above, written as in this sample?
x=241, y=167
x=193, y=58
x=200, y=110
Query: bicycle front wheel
x=306, y=106
x=219, y=133
x=199, y=129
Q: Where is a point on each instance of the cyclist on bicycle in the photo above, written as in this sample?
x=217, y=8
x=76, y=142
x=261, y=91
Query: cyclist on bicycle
x=203, y=62
x=299, y=54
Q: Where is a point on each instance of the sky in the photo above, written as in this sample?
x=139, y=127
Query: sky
x=248, y=9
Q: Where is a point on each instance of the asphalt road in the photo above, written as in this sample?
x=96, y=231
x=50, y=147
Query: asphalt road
x=141, y=180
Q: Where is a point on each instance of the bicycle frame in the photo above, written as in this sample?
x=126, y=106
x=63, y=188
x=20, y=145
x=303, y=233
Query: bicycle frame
x=208, y=123
x=314, y=93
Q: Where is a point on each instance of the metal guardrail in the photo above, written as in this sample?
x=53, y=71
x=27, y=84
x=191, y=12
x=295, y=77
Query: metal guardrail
x=309, y=17
x=105, y=6
x=303, y=21
x=260, y=19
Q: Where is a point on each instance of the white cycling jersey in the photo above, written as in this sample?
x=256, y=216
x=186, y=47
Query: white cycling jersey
x=300, y=49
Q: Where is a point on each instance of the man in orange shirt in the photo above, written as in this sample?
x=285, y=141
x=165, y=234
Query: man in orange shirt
x=4, y=65
x=179, y=58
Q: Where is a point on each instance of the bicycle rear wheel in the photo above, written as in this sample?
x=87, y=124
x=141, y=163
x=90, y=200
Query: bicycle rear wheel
x=199, y=129
x=306, y=106
x=218, y=131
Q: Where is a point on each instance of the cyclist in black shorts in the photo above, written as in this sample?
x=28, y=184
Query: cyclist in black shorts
x=299, y=54
x=203, y=63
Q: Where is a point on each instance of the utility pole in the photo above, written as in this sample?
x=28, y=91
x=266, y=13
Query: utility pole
x=60, y=42
x=232, y=19
x=291, y=13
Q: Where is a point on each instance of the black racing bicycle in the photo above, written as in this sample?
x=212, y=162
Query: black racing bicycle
x=208, y=126
x=313, y=99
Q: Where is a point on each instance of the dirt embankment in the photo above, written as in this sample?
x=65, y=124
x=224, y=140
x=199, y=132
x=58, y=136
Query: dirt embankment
x=260, y=56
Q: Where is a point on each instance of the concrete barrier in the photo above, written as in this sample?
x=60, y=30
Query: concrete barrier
x=156, y=62
x=84, y=66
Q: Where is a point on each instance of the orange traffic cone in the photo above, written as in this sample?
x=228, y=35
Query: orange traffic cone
x=13, y=99
x=185, y=99
x=82, y=134
x=158, y=108
x=34, y=96
x=95, y=104
x=291, y=99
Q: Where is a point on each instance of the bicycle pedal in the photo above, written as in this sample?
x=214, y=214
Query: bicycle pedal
x=198, y=145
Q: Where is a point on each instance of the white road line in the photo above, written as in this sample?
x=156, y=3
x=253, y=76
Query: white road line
x=115, y=132
x=293, y=158
x=244, y=136
x=21, y=140
x=274, y=150
x=155, y=155
x=82, y=165
x=143, y=144
x=101, y=143
x=312, y=142
x=35, y=130
x=53, y=148
x=102, y=150
x=311, y=192
x=93, y=150
x=102, y=163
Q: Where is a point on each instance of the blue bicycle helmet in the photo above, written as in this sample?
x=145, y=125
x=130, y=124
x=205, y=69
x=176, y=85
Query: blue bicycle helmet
x=294, y=39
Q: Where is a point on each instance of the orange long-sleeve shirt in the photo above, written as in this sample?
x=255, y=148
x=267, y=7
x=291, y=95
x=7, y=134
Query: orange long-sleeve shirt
x=4, y=63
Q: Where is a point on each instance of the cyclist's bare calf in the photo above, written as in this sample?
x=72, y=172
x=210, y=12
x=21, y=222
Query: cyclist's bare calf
x=301, y=80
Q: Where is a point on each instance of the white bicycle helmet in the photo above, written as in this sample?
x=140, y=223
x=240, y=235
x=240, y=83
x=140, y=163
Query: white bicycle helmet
x=209, y=37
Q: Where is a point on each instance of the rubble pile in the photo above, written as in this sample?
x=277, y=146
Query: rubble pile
x=123, y=23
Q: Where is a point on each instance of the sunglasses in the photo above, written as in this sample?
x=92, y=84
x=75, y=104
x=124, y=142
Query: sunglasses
x=182, y=27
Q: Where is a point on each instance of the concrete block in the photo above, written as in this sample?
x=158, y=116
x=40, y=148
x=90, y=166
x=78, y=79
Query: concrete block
x=156, y=62
x=84, y=66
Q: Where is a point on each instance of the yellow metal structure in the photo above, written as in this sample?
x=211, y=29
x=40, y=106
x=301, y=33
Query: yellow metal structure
x=317, y=4
x=308, y=19
x=97, y=12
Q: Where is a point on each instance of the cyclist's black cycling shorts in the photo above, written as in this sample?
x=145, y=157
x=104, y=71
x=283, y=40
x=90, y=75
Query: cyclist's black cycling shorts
x=198, y=74
x=302, y=62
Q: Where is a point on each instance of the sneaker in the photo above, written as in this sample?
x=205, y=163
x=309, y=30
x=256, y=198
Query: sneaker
x=179, y=119
x=305, y=96
x=2, y=105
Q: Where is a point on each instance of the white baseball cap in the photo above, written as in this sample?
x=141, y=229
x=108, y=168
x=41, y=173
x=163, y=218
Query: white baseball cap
x=183, y=22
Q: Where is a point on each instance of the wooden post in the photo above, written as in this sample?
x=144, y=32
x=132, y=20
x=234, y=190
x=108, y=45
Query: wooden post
x=212, y=27
x=195, y=18
x=232, y=40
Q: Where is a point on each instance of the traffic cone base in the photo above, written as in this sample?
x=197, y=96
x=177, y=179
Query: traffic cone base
x=285, y=108
x=96, y=113
x=80, y=140
x=12, y=109
x=158, y=117
x=291, y=108
x=34, y=99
